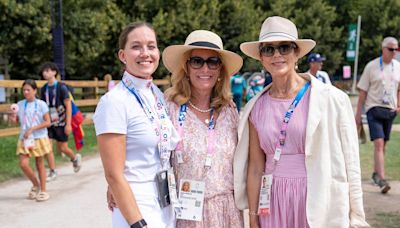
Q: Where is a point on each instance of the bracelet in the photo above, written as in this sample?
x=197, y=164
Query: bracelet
x=253, y=213
x=139, y=224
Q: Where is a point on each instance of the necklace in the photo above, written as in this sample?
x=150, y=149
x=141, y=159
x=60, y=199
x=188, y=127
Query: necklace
x=199, y=109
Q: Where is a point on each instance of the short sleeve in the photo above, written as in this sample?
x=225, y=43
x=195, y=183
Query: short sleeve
x=244, y=83
x=364, y=82
x=43, y=107
x=64, y=92
x=110, y=116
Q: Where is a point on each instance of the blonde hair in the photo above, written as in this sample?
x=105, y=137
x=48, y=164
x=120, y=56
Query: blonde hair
x=180, y=91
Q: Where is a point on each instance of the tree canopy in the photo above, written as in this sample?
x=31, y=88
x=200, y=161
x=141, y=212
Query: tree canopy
x=91, y=29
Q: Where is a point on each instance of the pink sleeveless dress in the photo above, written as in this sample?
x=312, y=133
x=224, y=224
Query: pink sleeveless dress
x=289, y=186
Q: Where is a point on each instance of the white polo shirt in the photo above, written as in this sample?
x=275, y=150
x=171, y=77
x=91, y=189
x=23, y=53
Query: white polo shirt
x=119, y=112
x=371, y=82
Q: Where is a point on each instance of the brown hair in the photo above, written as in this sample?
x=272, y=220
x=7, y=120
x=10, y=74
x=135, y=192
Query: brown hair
x=123, y=37
x=30, y=82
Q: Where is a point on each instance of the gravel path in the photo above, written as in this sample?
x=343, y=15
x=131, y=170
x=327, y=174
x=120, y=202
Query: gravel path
x=78, y=200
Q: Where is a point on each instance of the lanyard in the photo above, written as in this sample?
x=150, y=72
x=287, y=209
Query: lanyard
x=33, y=116
x=158, y=119
x=381, y=68
x=54, y=94
x=287, y=117
x=210, y=133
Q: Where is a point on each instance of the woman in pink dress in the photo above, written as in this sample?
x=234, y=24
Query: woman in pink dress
x=297, y=161
x=199, y=108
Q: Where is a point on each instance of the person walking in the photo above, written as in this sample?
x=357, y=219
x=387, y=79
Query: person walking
x=379, y=93
x=299, y=135
x=199, y=103
x=56, y=96
x=33, y=116
x=238, y=89
x=315, y=61
x=136, y=137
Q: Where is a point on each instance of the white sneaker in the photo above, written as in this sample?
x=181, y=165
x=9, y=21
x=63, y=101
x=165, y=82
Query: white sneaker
x=52, y=176
x=76, y=164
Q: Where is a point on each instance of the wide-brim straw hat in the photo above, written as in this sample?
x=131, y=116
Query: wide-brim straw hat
x=175, y=56
x=276, y=29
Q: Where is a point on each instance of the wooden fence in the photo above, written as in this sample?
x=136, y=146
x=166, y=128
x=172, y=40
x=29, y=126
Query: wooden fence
x=99, y=88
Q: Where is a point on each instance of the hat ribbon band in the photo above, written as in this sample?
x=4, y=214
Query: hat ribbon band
x=204, y=44
x=272, y=34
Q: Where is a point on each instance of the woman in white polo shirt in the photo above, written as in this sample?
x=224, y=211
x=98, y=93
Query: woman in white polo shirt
x=135, y=135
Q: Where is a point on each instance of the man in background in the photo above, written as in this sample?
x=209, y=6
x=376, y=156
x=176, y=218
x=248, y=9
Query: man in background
x=238, y=88
x=315, y=61
x=379, y=92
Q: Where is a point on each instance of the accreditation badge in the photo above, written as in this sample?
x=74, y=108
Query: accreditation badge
x=265, y=195
x=386, y=97
x=191, y=199
x=29, y=143
x=54, y=115
x=172, y=190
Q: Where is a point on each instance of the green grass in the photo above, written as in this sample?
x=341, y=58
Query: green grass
x=9, y=167
x=387, y=220
x=397, y=119
x=392, y=158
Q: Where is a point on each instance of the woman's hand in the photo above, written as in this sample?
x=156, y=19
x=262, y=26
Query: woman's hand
x=27, y=133
x=110, y=200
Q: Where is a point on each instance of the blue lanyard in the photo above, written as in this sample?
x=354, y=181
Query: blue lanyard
x=210, y=133
x=182, y=117
x=135, y=93
x=286, y=119
x=161, y=129
x=54, y=93
x=33, y=115
x=381, y=67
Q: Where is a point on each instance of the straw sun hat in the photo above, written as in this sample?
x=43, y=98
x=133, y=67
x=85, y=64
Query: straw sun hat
x=175, y=56
x=276, y=29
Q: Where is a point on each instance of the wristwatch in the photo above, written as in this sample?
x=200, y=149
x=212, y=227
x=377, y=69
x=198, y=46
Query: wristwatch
x=139, y=224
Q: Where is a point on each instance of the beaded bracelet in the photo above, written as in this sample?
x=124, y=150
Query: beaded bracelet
x=253, y=213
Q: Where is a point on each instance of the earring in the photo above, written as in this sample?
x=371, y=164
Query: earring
x=219, y=79
x=296, y=67
x=124, y=62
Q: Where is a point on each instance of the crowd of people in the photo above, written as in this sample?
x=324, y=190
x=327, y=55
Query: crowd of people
x=195, y=157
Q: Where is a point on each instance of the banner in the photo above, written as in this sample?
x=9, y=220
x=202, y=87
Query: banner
x=351, y=42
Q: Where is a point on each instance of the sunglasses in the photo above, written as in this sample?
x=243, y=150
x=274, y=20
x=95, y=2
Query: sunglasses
x=391, y=49
x=196, y=62
x=284, y=49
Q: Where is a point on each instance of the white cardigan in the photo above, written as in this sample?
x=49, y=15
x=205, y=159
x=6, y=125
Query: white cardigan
x=334, y=194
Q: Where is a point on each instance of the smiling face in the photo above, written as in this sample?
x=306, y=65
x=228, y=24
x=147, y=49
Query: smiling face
x=204, y=78
x=279, y=64
x=140, y=54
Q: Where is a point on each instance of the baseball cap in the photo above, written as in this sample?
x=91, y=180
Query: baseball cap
x=315, y=57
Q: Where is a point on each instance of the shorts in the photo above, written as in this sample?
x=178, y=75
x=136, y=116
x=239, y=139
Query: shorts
x=380, y=121
x=42, y=147
x=58, y=134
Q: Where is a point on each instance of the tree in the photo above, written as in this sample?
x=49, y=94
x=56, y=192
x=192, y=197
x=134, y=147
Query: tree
x=25, y=36
x=89, y=29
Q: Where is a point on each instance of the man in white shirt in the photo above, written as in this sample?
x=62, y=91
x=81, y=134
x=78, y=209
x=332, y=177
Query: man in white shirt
x=315, y=61
x=379, y=93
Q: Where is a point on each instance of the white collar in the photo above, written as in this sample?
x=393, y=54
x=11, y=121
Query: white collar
x=138, y=83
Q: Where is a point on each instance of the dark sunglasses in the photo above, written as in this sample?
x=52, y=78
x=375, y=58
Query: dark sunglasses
x=391, y=49
x=284, y=49
x=196, y=62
